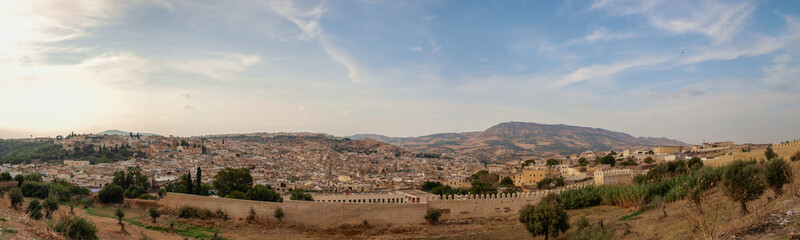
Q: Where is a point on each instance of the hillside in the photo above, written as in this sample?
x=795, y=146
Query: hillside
x=124, y=133
x=313, y=141
x=511, y=139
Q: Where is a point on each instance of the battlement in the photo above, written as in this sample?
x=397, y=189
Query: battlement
x=530, y=195
x=614, y=172
x=787, y=144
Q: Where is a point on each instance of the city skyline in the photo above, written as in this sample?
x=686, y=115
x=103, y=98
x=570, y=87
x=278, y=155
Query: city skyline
x=716, y=70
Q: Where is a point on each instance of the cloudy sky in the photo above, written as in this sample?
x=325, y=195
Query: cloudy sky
x=688, y=70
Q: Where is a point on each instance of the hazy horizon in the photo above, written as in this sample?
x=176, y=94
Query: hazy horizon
x=713, y=70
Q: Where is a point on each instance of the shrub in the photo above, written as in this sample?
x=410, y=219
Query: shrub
x=147, y=196
x=16, y=197
x=581, y=197
x=134, y=191
x=278, y=213
x=433, y=215
x=743, y=182
x=795, y=157
x=237, y=195
x=111, y=193
x=263, y=193
x=695, y=163
x=585, y=231
x=34, y=209
x=252, y=215
x=35, y=189
x=76, y=228
x=299, y=195
x=120, y=214
x=193, y=212
x=221, y=214
x=549, y=183
x=428, y=185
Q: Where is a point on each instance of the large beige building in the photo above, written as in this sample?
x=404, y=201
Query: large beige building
x=665, y=150
x=531, y=175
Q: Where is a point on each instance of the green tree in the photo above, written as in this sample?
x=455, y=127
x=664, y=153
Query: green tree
x=50, y=206
x=300, y=195
x=232, y=179
x=428, y=186
x=199, y=183
x=237, y=195
x=278, y=214
x=34, y=209
x=432, y=216
x=154, y=213
x=20, y=179
x=769, y=154
x=694, y=163
x=484, y=182
x=131, y=176
x=263, y=193
x=134, y=191
x=743, y=182
x=777, y=173
x=507, y=182
x=15, y=194
x=608, y=159
x=552, y=162
x=76, y=228
x=6, y=177
x=547, y=218
x=648, y=160
x=186, y=179
x=120, y=214
x=582, y=161
x=111, y=193
x=528, y=162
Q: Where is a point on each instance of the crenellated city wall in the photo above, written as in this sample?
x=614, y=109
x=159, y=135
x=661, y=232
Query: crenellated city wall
x=331, y=214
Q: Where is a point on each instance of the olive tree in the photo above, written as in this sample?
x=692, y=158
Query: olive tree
x=547, y=218
x=743, y=182
x=777, y=173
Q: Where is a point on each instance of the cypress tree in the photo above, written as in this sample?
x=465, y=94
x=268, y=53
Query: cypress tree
x=198, y=189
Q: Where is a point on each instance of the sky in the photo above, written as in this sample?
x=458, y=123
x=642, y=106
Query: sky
x=682, y=69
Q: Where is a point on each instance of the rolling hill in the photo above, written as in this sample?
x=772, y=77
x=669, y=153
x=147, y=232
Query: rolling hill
x=515, y=139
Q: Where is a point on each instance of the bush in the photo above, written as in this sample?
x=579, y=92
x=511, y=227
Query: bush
x=34, y=209
x=428, y=185
x=193, y=212
x=76, y=228
x=147, y=196
x=16, y=197
x=299, y=195
x=263, y=193
x=38, y=190
x=278, y=213
x=433, y=215
x=795, y=157
x=237, y=195
x=585, y=231
x=581, y=197
x=134, y=191
x=549, y=183
x=111, y=193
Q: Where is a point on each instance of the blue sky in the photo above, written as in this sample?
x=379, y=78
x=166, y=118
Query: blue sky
x=688, y=70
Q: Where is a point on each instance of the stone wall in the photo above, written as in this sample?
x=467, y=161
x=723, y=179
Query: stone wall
x=456, y=207
x=321, y=214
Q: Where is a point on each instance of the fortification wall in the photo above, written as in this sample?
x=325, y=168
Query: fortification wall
x=321, y=214
x=784, y=150
x=456, y=207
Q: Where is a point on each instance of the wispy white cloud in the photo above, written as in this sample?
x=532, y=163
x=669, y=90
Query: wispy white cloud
x=183, y=95
x=220, y=66
x=308, y=22
x=436, y=47
x=601, y=35
x=604, y=71
x=415, y=49
x=718, y=20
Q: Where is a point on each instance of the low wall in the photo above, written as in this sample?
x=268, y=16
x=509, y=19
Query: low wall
x=321, y=214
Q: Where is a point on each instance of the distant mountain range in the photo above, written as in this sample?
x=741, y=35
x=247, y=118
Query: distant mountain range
x=125, y=133
x=515, y=139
